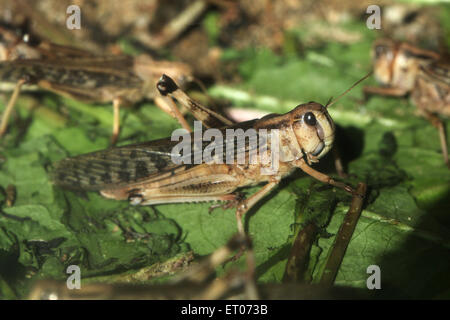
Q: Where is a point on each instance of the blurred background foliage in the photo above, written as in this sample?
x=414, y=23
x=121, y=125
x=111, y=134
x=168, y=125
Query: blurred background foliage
x=265, y=56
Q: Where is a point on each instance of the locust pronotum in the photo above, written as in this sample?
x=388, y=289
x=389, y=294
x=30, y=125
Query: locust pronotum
x=404, y=69
x=145, y=173
x=79, y=75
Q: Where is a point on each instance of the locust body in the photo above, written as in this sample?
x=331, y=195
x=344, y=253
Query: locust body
x=82, y=76
x=146, y=173
x=403, y=69
x=153, y=177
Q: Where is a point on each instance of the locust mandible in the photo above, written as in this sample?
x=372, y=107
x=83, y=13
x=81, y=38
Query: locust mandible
x=80, y=75
x=146, y=174
x=403, y=69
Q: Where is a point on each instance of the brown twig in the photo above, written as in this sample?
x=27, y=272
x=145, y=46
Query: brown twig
x=297, y=264
x=343, y=236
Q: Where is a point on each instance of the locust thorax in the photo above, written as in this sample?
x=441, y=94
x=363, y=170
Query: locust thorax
x=313, y=129
x=397, y=64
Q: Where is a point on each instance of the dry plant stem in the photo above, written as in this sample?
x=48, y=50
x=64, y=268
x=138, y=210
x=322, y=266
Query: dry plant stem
x=234, y=279
x=218, y=288
x=46, y=289
x=43, y=289
x=10, y=106
x=251, y=290
x=343, y=236
x=199, y=273
x=297, y=264
x=116, y=121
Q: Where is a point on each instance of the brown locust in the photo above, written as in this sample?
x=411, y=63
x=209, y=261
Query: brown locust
x=159, y=171
x=403, y=70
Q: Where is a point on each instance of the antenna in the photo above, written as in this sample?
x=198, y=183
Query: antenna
x=331, y=101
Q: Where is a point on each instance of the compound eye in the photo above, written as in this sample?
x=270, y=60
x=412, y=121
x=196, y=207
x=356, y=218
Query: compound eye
x=310, y=119
x=379, y=50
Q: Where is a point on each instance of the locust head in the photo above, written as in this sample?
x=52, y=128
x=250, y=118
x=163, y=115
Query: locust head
x=308, y=130
x=313, y=129
x=397, y=64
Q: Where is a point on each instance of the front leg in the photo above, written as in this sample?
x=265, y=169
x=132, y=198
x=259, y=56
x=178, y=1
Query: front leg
x=322, y=177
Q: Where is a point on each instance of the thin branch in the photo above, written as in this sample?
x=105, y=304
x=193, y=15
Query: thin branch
x=343, y=237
